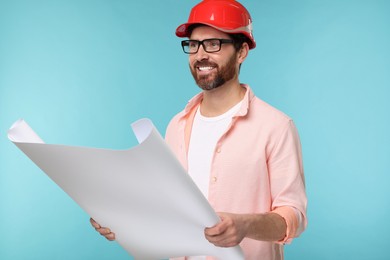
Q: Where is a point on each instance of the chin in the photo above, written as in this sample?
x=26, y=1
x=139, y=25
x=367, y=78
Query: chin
x=210, y=86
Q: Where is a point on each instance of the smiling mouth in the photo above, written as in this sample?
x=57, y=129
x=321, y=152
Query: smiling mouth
x=205, y=68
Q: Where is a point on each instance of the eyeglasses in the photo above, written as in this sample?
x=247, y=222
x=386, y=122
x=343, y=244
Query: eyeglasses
x=209, y=45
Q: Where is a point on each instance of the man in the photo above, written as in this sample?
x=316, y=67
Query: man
x=242, y=153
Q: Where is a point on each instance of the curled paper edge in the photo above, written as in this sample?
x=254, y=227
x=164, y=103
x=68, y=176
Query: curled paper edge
x=20, y=131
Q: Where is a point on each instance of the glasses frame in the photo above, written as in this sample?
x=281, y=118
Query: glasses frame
x=187, y=43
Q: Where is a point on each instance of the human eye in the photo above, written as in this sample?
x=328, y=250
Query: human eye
x=192, y=44
x=212, y=44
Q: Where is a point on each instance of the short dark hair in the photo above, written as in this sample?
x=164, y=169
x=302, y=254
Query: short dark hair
x=238, y=40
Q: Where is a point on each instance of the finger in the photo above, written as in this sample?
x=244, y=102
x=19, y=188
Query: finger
x=225, y=243
x=226, y=239
x=103, y=231
x=94, y=223
x=217, y=240
x=212, y=232
x=110, y=236
x=216, y=230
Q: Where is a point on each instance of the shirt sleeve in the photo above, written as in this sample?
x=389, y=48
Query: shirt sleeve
x=294, y=222
x=287, y=181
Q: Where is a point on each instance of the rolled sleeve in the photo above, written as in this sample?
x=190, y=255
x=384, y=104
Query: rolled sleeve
x=292, y=221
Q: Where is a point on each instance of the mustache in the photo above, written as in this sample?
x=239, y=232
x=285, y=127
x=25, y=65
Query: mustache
x=204, y=64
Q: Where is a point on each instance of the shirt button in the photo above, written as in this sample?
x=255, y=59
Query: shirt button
x=214, y=179
x=218, y=150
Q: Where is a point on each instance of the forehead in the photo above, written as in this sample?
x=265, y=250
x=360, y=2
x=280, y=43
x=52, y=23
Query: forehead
x=206, y=32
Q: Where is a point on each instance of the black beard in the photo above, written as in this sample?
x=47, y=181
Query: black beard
x=204, y=83
x=223, y=74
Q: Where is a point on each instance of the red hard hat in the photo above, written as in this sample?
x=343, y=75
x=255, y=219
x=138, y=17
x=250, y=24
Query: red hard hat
x=228, y=16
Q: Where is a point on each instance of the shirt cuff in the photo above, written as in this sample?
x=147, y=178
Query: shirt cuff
x=289, y=215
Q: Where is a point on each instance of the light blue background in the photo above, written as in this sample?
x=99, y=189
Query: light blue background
x=80, y=71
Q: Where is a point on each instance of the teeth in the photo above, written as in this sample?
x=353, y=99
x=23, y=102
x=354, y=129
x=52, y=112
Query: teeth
x=205, y=68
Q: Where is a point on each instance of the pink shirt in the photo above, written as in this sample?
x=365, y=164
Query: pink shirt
x=256, y=168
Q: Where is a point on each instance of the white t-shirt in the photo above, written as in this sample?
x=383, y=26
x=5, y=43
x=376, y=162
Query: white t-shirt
x=205, y=134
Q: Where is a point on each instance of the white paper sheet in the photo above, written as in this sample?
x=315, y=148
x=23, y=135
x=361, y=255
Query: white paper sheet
x=143, y=194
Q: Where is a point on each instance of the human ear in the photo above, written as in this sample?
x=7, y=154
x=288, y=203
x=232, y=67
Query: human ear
x=243, y=52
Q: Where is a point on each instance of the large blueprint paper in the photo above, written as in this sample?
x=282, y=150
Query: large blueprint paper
x=143, y=194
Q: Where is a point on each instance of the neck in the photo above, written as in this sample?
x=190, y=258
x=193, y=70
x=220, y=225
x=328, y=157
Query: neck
x=219, y=100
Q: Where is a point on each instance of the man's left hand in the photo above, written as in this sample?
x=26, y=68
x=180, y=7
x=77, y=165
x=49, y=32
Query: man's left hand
x=229, y=232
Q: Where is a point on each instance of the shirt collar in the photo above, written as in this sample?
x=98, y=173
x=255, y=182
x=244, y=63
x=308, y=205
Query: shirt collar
x=195, y=101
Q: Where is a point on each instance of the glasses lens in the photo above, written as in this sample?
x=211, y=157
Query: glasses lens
x=190, y=46
x=212, y=45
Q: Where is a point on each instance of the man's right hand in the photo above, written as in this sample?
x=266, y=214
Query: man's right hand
x=106, y=232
